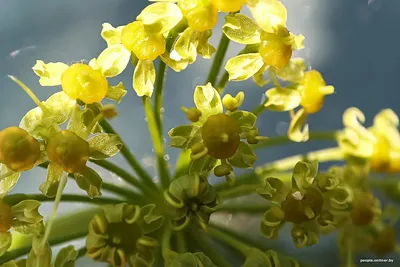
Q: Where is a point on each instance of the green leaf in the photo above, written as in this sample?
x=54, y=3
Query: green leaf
x=90, y=181
x=298, y=128
x=176, y=65
x=274, y=190
x=269, y=14
x=66, y=257
x=244, y=157
x=282, y=99
x=208, y=101
x=144, y=77
x=27, y=211
x=50, y=73
x=241, y=29
x=150, y=221
x=59, y=108
x=257, y=258
x=244, y=66
x=49, y=188
x=293, y=71
x=183, y=136
x=244, y=119
x=39, y=256
x=104, y=145
x=110, y=34
x=304, y=174
x=203, y=164
x=190, y=43
x=28, y=228
x=160, y=17
x=113, y=60
x=5, y=242
x=8, y=181
x=116, y=92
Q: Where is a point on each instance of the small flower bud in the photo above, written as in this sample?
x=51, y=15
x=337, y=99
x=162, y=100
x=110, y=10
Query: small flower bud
x=5, y=217
x=192, y=114
x=222, y=170
x=109, y=111
x=19, y=151
x=68, y=150
x=231, y=103
x=363, y=209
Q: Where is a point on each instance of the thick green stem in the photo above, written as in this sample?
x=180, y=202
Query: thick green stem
x=228, y=240
x=157, y=143
x=127, y=177
x=284, y=139
x=132, y=161
x=249, y=208
x=166, y=239
x=238, y=191
x=180, y=242
x=201, y=241
x=218, y=59
x=158, y=98
x=16, y=198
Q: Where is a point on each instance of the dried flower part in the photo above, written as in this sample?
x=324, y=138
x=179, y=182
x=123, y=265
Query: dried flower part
x=221, y=136
x=303, y=207
x=67, y=150
x=80, y=81
x=385, y=242
x=364, y=208
x=145, y=45
x=194, y=200
x=19, y=151
x=118, y=236
x=5, y=217
x=201, y=15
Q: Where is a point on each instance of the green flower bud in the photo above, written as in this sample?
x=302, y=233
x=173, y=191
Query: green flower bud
x=19, y=151
x=222, y=170
x=274, y=190
x=192, y=114
x=5, y=217
x=221, y=136
x=118, y=236
x=385, y=242
x=67, y=150
x=363, y=209
x=302, y=207
x=231, y=103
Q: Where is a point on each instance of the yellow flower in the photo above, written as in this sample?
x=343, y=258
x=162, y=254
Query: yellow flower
x=229, y=5
x=386, y=149
x=313, y=91
x=82, y=82
x=201, y=15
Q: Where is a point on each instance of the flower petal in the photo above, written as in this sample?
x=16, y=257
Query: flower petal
x=113, y=60
x=241, y=29
x=50, y=73
x=144, y=77
x=244, y=66
x=160, y=17
x=207, y=100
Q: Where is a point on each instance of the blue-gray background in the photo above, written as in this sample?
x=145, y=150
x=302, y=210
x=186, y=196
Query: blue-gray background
x=353, y=44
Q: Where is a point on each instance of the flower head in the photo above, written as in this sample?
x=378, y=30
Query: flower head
x=119, y=235
x=217, y=135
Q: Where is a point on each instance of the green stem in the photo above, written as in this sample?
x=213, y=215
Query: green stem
x=166, y=240
x=259, y=109
x=228, y=240
x=284, y=139
x=218, y=59
x=130, y=158
x=238, y=191
x=66, y=237
x=323, y=155
x=181, y=242
x=157, y=143
x=16, y=198
x=201, y=241
x=81, y=252
x=244, y=208
x=222, y=83
x=127, y=177
x=158, y=99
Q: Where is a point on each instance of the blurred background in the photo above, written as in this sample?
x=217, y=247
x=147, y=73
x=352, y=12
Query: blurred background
x=353, y=43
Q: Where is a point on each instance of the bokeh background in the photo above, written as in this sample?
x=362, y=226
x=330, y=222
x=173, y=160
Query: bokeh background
x=353, y=43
